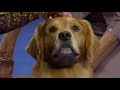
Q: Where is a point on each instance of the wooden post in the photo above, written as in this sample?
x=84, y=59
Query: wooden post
x=6, y=53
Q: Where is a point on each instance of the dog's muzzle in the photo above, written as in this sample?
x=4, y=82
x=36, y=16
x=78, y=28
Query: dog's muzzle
x=63, y=54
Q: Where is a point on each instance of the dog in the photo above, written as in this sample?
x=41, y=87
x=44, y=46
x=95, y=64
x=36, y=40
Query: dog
x=63, y=47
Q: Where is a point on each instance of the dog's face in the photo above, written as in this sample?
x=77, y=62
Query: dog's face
x=63, y=41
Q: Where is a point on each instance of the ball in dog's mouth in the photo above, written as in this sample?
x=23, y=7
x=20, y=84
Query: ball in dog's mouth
x=64, y=57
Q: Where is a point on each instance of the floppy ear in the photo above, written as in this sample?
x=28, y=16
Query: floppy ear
x=35, y=46
x=92, y=42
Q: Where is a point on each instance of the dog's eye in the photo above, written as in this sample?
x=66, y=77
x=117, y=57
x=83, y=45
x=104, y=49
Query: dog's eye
x=76, y=28
x=52, y=29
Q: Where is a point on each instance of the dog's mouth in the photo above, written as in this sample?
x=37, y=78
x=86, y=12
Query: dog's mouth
x=65, y=50
x=65, y=56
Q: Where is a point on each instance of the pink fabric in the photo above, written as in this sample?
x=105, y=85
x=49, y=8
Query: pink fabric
x=110, y=68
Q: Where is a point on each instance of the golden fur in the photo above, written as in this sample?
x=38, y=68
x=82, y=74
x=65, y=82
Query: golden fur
x=85, y=40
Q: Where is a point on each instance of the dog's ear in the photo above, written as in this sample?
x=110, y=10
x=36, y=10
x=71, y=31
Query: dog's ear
x=35, y=46
x=32, y=48
x=92, y=42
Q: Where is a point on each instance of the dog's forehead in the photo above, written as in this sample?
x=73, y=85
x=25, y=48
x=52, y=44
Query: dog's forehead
x=62, y=20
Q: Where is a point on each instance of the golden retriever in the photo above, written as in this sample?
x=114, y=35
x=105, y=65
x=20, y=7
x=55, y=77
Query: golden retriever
x=63, y=47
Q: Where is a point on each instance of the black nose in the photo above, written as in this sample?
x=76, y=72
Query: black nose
x=65, y=35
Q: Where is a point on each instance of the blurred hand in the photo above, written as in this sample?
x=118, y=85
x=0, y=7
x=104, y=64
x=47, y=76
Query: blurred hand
x=50, y=15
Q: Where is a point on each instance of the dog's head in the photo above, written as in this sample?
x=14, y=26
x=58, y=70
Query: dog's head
x=63, y=41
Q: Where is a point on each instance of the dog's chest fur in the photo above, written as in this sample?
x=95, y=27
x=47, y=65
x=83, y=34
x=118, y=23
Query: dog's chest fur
x=77, y=71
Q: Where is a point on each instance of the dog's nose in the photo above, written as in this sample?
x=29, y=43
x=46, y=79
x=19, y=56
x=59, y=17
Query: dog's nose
x=64, y=36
